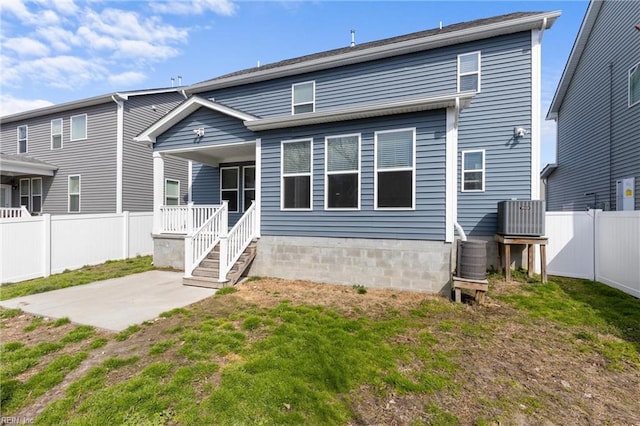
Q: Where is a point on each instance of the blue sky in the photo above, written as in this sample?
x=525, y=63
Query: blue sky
x=55, y=51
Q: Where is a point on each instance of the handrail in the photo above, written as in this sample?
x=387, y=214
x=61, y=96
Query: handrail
x=184, y=219
x=14, y=212
x=233, y=244
x=198, y=244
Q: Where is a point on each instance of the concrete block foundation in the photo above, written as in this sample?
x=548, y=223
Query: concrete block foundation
x=168, y=251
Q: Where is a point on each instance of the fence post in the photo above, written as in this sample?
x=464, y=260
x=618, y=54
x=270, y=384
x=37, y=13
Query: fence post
x=190, y=219
x=46, y=244
x=596, y=253
x=125, y=235
x=224, y=242
x=188, y=255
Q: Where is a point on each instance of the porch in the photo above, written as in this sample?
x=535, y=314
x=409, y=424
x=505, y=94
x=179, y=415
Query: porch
x=23, y=183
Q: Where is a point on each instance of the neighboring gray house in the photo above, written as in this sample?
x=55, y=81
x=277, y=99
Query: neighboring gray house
x=597, y=110
x=79, y=157
x=361, y=160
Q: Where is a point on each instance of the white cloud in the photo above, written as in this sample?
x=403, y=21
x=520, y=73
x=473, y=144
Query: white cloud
x=194, y=7
x=141, y=50
x=58, y=38
x=25, y=46
x=11, y=105
x=127, y=79
x=19, y=9
x=65, y=72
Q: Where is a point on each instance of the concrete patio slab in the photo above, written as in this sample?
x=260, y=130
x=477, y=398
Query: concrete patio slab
x=114, y=304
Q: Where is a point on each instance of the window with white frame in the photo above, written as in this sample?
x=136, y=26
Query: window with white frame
x=78, y=127
x=230, y=187
x=342, y=172
x=25, y=193
x=473, y=171
x=74, y=194
x=23, y=134
x=296, y=175
x=249, y=186
x=171, y=192
x=304, y=96
x=395, y=169
x=36, y=195
x=56, y=133
x=634, y=85
x=469, y=72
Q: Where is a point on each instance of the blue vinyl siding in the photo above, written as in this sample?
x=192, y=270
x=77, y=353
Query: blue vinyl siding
x=426, y=222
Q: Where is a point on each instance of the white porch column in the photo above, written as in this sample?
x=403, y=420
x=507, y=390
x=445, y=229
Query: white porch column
x=258, y=184
x=158, y=190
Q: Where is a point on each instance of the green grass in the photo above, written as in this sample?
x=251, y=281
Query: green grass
x=226, y=290
x=126, y=333
x=88, y=274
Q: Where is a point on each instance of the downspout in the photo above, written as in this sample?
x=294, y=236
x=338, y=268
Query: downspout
x=610, y=137
x=461, y=233
x=541, y=33
x=119, y=150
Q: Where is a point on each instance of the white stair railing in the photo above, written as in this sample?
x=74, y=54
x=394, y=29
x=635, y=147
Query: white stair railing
x=14, y=212
x=184, y=219
x=233, y=244
x=199, y=243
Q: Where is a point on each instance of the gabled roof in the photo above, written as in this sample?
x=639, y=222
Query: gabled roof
x=423, y=40
x=83, y=103
x=16, y=165
x=184, y=110
x=574, y=58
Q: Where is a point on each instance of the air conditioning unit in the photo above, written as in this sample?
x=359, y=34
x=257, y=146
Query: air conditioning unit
x=521, y=218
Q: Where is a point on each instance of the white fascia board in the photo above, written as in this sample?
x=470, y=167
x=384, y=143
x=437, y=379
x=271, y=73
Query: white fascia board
x=25, y=168
x=574, y=58
x=367, y=111
x=383, y=51
x=183, y=111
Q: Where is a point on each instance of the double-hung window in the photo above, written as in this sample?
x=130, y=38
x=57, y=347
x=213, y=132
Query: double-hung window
x=473, y=171
x=23, y=134
x=56, y=133
x=36, y=195
x=78, y=127
x=296, y=175
x=25, y=193
x=171, y=192
x=395, y=169
x=303, y=97
x=230, y=187
x=74, y=194
x=469, y=72
x=634, y=85
x=342, y=172
x=249, y=186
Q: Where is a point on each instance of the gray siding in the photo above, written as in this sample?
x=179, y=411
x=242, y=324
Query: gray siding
x=503, y=103
x=137, y=165
x=598, y=138
x=94, y=158
x=425, y=223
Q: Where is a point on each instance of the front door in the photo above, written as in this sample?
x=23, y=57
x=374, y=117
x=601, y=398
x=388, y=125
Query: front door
x=5, y=196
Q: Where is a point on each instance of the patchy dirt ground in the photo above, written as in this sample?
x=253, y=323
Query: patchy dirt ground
x=512, y=370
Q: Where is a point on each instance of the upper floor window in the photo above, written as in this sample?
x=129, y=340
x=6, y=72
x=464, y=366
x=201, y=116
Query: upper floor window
x=296, y=175
x=230, y=187
x=304, y=97
x=22, y=139
x=171, y=192
x=634, y=85
x=74, y=193
x=473, y=171
x=56, y=133
x=395, y=169
x=469, y=72
x=78, y=127
x=342, y=177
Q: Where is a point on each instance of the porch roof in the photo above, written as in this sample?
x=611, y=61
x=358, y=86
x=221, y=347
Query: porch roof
x=22, y=165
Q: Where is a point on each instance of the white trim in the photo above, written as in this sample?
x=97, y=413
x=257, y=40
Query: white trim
x=190, y=182
x=244, y=186
x=310, y=174
x=28, y=205
x=119, y=154
x=364, y=111
x=357, y=172
x=463, y=170
x=33, y=194
x=86, y=127
x=26, y=139
x=79, y=194
x=313, y=97
x=478, y=53
x=635, y=68
x=166, y=181
x=27, y=167
x=236, y=189
x=413, y=170
x=536, y=107
x=61, y=133
x=258, y=186
x=451, y=174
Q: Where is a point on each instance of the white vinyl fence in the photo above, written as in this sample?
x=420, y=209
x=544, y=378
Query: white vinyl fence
x=39, y=246
x=596, y=245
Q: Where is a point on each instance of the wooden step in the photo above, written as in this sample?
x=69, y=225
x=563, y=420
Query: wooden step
x=202, y=282
x=206, y=274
